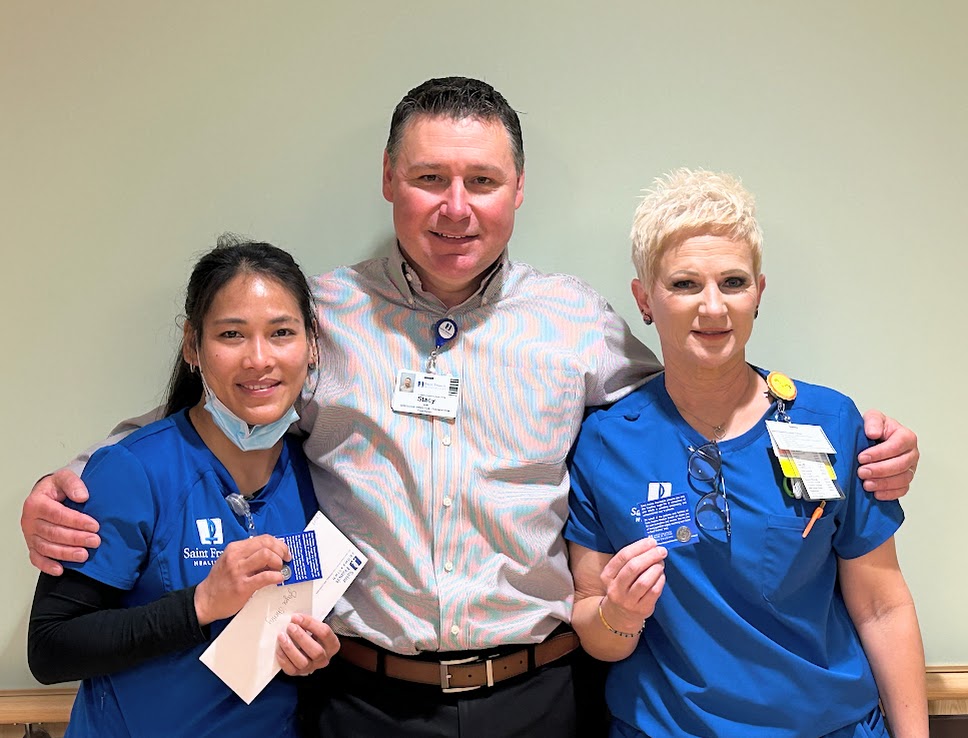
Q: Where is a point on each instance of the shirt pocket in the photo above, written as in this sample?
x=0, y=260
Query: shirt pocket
x=528, y=415
x=793, y=568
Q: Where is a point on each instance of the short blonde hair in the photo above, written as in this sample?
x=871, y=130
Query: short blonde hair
x=687, y=203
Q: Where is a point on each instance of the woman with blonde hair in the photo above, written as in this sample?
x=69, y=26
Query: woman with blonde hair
x=739, y=590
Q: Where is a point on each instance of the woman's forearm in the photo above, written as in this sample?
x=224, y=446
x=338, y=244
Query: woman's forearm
x=892, y=641
x=78, y=628
x=882, y=609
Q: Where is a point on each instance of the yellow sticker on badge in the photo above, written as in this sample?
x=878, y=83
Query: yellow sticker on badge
x=781, y=386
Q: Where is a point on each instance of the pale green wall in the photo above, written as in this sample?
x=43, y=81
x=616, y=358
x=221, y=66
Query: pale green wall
x=132, y=133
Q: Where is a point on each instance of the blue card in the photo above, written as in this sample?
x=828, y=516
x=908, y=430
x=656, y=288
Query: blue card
x=305, y=558
x=669, y=521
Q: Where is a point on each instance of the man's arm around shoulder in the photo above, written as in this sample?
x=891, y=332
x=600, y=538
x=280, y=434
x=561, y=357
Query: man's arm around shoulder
x=53, y=531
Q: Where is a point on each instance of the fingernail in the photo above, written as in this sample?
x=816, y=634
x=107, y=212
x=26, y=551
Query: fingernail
x=92, y=542
x=80, y=557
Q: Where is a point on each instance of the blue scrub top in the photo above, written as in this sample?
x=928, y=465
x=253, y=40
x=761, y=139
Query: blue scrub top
x=750, y=637
x=159, y=496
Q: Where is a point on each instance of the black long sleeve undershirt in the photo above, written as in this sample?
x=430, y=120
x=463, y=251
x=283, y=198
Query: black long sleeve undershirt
x=78, y=628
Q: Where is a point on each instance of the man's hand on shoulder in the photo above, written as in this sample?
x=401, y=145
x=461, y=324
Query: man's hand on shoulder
x=54, y=532
x=888, y=467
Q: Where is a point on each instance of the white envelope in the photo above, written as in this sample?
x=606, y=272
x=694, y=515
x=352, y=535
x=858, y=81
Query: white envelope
x=244, y=654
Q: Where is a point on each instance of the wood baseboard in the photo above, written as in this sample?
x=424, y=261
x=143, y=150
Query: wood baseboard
x=947, y=690
x=43, y=705
x=947, y=695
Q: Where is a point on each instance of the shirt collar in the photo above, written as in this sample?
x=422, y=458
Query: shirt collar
x=406, y=279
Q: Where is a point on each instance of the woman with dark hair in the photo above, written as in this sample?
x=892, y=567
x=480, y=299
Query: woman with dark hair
x=187, y=506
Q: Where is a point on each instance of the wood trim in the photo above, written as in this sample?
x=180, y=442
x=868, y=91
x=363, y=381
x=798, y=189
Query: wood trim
x=947, y=683
x=947, y=695
x=947, y=690
x=36, y=705
x=54, y=730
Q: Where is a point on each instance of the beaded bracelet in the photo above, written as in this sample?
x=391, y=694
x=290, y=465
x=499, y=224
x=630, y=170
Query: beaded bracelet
x=611, y=629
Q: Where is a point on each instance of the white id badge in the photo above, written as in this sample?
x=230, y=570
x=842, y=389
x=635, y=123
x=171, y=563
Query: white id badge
x=420, y=393
x=799, y=437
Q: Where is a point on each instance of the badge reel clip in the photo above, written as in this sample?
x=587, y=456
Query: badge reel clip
x=782, y=389
x=444, y=330
x=240, y=506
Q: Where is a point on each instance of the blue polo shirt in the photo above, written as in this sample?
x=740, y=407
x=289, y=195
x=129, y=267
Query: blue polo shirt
x=159, y=496
x=750, y=637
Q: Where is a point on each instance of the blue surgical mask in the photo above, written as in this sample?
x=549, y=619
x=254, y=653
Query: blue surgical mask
x=254, y=438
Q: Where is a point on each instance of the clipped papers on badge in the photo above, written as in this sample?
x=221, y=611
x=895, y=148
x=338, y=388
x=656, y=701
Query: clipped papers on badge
x=244, y=654
x=802, y=452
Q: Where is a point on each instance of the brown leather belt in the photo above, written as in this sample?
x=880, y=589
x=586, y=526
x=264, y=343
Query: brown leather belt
x=458, y=675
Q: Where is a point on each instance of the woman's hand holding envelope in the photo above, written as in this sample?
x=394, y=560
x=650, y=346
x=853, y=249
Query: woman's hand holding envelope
x=306, y=645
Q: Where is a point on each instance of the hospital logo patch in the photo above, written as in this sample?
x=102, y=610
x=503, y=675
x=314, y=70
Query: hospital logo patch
x=209, y=531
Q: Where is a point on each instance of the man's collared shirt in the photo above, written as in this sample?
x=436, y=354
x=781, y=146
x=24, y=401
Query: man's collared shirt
x=461, y=518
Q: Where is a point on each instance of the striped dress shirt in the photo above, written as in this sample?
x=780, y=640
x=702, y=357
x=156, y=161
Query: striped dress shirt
x=461, y=519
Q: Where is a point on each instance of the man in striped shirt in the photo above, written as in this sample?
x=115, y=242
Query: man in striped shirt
x=458, y=624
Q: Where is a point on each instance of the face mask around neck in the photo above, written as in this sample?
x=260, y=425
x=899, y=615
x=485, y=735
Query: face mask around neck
x=255, y=438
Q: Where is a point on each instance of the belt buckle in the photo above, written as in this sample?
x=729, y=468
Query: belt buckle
x=445, y=674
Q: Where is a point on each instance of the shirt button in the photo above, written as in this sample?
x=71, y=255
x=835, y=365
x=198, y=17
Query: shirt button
x=449, y=566
x=445, y=440
x=454, y=630
x=448, y=502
